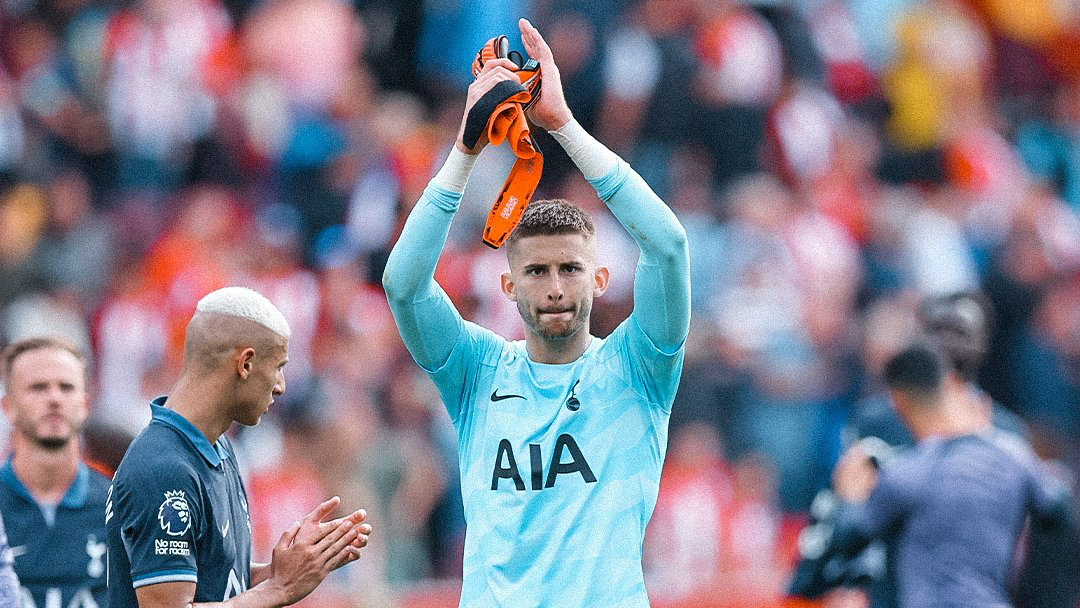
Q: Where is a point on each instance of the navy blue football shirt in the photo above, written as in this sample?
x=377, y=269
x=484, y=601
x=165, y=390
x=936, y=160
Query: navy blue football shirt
x=955, y=508
x=59, y=549
x=177, y=511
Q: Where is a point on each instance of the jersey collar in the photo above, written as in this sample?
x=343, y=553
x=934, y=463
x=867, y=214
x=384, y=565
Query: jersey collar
x=74, y=498
x=212, y=453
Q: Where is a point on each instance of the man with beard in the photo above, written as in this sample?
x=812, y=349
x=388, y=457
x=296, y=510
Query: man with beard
x=561, y=436
x=52, y=503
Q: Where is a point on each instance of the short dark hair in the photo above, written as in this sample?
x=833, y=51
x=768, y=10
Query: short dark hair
x=17, y=349
x=961, y=323
x=919, y=370
x=552, y=217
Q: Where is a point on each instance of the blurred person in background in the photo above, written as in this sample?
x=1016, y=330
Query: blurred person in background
x=294, y=467
x=75, y=253
x=271, y=266
x=55, y=72
x=961, y=324
x=1050, y=143
x=198, y=251
x=131, y=343
x=23, y=218
x=157, y=99
x=51, y=500
x=288, y=104
x=954, y=506
x=717, y=536
x=684, y=558
x=785, y=288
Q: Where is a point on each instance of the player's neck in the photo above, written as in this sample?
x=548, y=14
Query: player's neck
x=543, y=350
x=940, y=425
x=47, y=474
x=952, y=417
x=196, y=399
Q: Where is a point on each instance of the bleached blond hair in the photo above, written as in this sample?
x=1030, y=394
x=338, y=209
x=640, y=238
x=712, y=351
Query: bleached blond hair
x=246, y=304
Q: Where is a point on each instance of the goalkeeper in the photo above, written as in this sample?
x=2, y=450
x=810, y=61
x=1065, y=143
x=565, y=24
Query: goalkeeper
x=561, y=436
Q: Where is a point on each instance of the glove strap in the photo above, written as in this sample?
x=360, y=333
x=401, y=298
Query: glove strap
x=481, y=112
x=514, y=196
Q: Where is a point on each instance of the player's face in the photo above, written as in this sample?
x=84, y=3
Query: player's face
x=264, y=382
x=553, y=280
x=46, y=399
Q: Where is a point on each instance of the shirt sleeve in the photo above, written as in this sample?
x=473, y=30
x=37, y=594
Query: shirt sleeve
x=662, y=278
x=456, y=378
x=9, y=582
x=887, y=505
x=653, y=370
x=428, y=323
x=160, y=511
x=879, y=517
x=1050, y=498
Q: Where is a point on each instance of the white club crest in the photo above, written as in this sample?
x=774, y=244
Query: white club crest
x=95, y=551
x=174, y=515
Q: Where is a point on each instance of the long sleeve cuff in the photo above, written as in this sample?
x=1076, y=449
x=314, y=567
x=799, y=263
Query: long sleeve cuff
x=593, y=158
x=454, y=173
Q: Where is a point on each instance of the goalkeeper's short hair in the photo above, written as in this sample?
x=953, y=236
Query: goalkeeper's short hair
x=552, y=217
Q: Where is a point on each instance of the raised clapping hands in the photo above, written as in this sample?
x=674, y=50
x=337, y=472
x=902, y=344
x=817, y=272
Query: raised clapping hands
x=549, y=112
x=493, y=72
x=312, y=548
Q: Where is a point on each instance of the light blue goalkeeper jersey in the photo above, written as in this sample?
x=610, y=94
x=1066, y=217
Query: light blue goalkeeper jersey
x=560, y=464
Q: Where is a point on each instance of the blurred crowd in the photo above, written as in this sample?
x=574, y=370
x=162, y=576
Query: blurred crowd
x=833, y=161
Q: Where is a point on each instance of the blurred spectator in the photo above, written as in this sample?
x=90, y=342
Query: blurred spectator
x=157, y=100
x=833, y=162
x=11, y=128
x=273, y=270
x=131, y=341
x=195, y=255
x=76, y=250
x=23, y=217
x=684, y=557
x=1051, y=145
x=716, y=531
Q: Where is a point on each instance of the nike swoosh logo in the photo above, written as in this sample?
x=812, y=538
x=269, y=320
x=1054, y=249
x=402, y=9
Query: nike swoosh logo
x=225, y=529
x=17, y=551
x=495, y=396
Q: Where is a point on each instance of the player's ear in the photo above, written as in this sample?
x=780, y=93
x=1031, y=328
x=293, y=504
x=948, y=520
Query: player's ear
x=601, y=278
x=507, y=284
x=903, y=405
x=245, y=362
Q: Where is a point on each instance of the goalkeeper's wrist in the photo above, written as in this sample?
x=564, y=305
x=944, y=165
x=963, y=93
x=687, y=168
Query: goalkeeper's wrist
x=593, y=158
x=454, y=173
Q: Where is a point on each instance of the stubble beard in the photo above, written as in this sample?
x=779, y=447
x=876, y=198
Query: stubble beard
x=51, y=444
x=573, y=327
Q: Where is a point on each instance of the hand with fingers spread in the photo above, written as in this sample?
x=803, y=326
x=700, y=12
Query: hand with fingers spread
x=494, y=72
x=312, y=548
x=550, y=111
x=351, y=551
